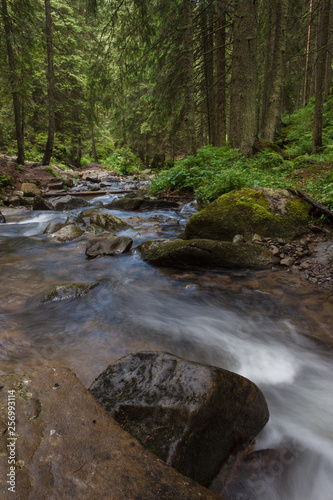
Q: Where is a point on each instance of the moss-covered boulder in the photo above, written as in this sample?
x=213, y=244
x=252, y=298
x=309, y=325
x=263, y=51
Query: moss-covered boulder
x=190, y=415
x=68, y=291
x=206, y=253
x=67, y=233
x=108, y=221
x=246, y=211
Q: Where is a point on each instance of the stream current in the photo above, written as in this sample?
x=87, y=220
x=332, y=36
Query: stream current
x=264, y=325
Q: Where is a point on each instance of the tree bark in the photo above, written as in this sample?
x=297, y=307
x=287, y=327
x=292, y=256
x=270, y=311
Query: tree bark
x=323, y=26
x=208, y=47
x=50, y=79
x=243, y=109
x=220, y=75
x=274, y=75
x=13, y=80
x=189, y=115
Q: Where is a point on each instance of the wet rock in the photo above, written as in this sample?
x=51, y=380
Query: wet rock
x=127, y=203
x=67, y=233
x=41, y=204
x=69, y=291
x=53, y=227
x=268, y=212
x=108, y=221
x=206, y=253
x=70, y=448
x=111, y=245
x=68, y=203
x=30, y=189
x=2, y=218
x=190, y=415
x=244, y=475
x=134, y=203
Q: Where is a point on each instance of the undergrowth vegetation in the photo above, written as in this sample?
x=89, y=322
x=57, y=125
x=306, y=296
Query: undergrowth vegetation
x=215, y=171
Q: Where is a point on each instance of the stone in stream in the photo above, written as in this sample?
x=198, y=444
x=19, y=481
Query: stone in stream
x=110, y=245
x=190, y=415
x=131, y=202
x=68, y=203
x=68, y=447
x=103, y=220
x=67, y=233
x=41, y=204
x=53, y=227
x=246, y=211
x=206, y=253
x=66, y=291
x=2, y=218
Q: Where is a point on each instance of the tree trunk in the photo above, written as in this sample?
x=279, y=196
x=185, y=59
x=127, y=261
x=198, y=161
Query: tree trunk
x=243, y=109
x=50, y=79
x=13, y=80
x=274, y=75
x=189, y=116
x=208, y=58
x=307, y=55
x=328, y=72
x=323, y=26
x=220, y=75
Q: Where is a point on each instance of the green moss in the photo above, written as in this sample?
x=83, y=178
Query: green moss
x=248, y=211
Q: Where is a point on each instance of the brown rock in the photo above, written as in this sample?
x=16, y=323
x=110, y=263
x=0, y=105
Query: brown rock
x=111, y=245
x=68, y=447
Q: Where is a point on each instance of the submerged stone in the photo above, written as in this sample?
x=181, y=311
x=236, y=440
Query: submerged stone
x=69, y=291
x=190, y=415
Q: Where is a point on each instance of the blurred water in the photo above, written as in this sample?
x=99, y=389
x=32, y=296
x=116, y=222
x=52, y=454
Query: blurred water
x=258, y=324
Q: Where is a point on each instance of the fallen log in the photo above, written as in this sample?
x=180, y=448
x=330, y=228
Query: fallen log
x=314, y=203
x=48, y=194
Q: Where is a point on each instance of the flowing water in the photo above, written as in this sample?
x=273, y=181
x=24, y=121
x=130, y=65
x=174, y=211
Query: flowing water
x=259, y=324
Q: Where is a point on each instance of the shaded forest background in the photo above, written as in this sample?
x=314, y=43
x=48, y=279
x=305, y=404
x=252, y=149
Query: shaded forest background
x=82, y=80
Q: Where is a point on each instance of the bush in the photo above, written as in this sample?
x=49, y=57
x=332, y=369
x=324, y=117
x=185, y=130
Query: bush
x=123, y=161
x=5, y=181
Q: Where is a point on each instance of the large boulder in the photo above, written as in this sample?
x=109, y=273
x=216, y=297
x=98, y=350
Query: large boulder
x=108, y=245
x=66, y=446
x=67, y=233
x=192, y=416
x=206, y=253
x=246, y=211
x=2, y=218
x=66, y=291
x=68, y=203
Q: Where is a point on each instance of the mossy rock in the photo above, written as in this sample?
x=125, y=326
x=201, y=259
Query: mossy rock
x=206, y=253
x=68, y=291
x=268, y=212
x=67, y=233
x=108, y=221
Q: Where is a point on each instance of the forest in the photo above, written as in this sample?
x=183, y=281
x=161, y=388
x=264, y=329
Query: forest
x=135, y=84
